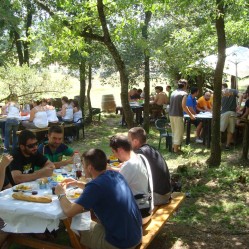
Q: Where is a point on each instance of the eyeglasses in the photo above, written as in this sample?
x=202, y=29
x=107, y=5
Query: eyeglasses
x=31, y=146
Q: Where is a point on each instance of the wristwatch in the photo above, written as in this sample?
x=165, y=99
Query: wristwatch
x=60, y=196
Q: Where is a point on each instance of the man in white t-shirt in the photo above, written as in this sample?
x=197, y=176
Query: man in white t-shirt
x=136, y=170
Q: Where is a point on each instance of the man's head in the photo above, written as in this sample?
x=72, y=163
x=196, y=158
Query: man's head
x=137, y=137
x=182, y=84
x=28, y=143
x=194, y=91
x=158, y=89
x=168, y=88
x=94, y=160
x=224, y=85
x=207, y=95
x=55, y=136
x=120, y=146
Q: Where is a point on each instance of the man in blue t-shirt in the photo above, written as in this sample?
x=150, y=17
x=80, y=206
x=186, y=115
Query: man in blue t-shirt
x=112, y=201
x=191, y=103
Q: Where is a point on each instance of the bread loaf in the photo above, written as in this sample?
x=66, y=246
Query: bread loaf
x=31, y=198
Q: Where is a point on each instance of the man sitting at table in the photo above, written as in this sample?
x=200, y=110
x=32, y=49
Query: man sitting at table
x=158, y=166
x=28, y=164
x=54, y=150
x=111, y=199
x=203, y=103
x=136, y=171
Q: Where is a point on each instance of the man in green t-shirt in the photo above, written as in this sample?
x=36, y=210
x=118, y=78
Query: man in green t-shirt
x=55, y=149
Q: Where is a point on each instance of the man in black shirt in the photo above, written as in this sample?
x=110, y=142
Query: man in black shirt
x=28, y=164
x=159, y=168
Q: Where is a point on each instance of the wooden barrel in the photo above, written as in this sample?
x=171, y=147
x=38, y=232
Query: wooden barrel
x=108, y=103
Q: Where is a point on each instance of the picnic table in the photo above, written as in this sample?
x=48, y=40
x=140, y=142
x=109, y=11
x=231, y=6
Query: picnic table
x=29, y=217
x=206, y=119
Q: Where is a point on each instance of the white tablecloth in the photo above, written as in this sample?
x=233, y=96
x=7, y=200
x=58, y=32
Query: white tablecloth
x=29, y=217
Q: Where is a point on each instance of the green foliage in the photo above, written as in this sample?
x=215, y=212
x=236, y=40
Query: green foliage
x=30, y=83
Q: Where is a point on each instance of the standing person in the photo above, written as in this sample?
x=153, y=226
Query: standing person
x=204, y=103
x=176, y=108
x=136, y=171
x=12, y=123
x=228, y=113
x=168, y=89
x=28, y=164
x=159, y=169
x=111, y=199
x=191, y=103
x=54, y=149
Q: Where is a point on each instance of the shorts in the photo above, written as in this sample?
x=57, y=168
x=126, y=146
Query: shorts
x=227, y=121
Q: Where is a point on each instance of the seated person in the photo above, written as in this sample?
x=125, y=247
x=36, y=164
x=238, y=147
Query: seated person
x=110, y=198
x=204, y=104
x=51, y=111
x=156, y=105
x=54, y=150
x=38, y=117
x=5, y=175
x=28, y=164
x=159, y=169
x=66, y=112
x=133, y=94
x=77, y=113
x=136, y=171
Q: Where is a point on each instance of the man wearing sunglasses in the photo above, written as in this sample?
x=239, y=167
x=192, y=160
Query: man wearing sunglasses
x=28, y=164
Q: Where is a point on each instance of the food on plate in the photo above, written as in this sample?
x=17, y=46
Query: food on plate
x=23, y=187
x=74, y=193
x=112, y=158
x=31, y=198
x=57, y=178
x=115, y=164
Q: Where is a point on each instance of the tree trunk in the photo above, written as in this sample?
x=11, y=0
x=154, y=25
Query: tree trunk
x=89, y=91
x=82, y=84
x=18, y=48
x=146, y=124
x=200, y=83
x=215, y=157
x=245, y=141
x=124, y=80
x=28, y=26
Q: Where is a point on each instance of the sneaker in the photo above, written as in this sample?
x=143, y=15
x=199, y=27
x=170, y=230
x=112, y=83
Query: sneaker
x=198, y=141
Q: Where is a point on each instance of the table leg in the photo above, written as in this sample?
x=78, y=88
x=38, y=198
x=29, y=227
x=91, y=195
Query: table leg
x=188, y=131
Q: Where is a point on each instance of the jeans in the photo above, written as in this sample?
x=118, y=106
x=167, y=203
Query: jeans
x=11, y=125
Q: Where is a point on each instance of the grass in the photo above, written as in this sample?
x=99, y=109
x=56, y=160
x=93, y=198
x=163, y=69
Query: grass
x=218, y=202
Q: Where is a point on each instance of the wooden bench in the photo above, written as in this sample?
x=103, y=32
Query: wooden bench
x=160, y=216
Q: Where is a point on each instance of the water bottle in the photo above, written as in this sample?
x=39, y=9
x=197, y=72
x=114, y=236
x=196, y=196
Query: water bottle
x=77, y=165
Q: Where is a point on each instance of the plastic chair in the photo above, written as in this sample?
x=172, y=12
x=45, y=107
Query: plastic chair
x=161, y=126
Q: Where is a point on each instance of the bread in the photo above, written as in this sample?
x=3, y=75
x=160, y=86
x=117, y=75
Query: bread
x=31, y=198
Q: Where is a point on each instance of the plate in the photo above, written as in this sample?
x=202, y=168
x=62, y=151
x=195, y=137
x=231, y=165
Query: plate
x=73, y=193
x=115, y=164
x=22, y=188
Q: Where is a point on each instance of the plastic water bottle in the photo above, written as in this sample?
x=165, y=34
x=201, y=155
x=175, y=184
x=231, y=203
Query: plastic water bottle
x=77, y=165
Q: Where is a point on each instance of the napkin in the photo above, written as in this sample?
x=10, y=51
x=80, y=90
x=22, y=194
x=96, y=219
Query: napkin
x=81, y=222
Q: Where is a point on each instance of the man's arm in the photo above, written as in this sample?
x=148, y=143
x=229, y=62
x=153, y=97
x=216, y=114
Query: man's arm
x=70, y=209
x=6, y=160
x=185, y=108
x=46, y=171
x=63, y=163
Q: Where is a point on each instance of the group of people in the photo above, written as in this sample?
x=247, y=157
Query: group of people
x=41, y=114
x=127, y=196
x=183, y=103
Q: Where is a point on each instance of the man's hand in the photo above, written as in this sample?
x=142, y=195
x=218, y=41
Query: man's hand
x=60, y=189
x=46, y=171
x=6, y=160
x=70, y=182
